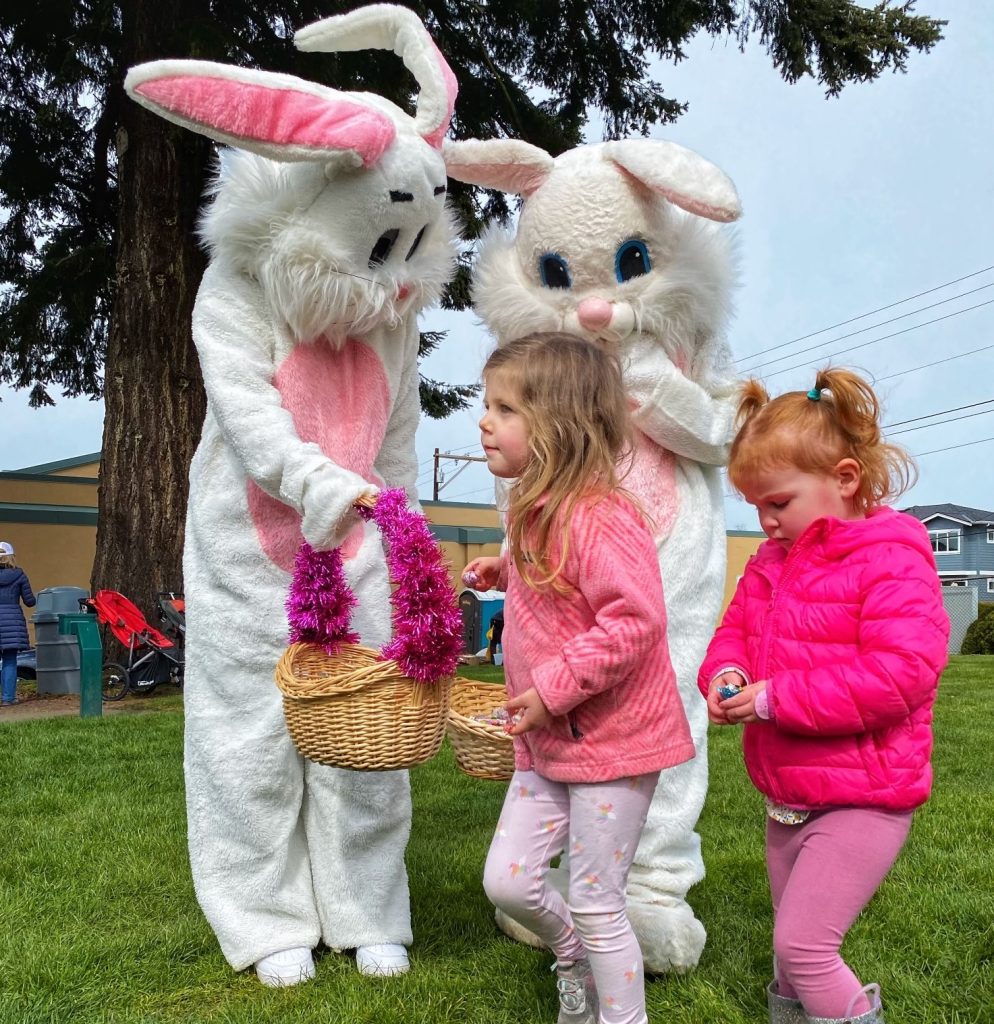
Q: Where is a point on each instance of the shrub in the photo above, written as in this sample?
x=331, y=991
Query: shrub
x=979, y=637
x=985, y=608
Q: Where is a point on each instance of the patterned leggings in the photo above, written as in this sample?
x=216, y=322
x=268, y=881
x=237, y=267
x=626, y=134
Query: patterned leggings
x=822, y=874
x=602, y=823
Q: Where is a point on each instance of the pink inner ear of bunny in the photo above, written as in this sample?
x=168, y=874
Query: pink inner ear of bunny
x=285, y=117
x=451, y=89
x=521, y=179
x=697, y=206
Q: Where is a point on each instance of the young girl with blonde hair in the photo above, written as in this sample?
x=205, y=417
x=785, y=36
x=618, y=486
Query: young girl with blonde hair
x=830, y=654
x=595, y=709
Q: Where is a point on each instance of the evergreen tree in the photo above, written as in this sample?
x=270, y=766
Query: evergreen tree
x=99, y=264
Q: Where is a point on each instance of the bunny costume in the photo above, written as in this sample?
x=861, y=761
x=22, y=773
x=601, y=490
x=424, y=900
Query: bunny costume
x=328, y=233
x=617, y=243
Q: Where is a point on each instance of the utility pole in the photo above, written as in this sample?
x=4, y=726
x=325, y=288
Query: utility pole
x=436, y=475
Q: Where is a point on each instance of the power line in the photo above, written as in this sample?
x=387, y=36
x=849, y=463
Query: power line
x=896, y=334
x=466, y=494
x=431, y=458
x=952, y=419
x=938, y=362
x=941, y=412
x=871, y=327
x=965, y=444
x=880, y=309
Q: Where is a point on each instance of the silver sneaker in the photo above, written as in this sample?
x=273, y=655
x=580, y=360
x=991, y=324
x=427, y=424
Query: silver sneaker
x=577, y=993
x=782, y=1009
x=875, y=1015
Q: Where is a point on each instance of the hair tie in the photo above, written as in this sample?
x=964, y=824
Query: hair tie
x=815, y=394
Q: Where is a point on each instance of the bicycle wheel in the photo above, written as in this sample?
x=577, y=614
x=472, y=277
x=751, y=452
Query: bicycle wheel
x=114, y=681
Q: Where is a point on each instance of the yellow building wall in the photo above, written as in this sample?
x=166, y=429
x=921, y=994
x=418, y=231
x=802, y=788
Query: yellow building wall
x=473, y=517
x=34, y=509
x=49, y=514
x=53, y=554
x=741, y=545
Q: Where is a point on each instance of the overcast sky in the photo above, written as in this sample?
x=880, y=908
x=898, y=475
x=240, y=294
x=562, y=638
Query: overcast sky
x=851, y=204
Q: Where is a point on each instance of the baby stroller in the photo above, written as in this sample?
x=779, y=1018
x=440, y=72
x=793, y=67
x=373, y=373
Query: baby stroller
x=152, y=657
x=172, y=615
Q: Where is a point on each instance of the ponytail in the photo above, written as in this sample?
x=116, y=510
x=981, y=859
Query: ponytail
x=839, y=418
x=752, y=398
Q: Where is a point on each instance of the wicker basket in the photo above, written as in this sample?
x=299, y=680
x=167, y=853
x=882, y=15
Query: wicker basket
x=360, y=708
x=482, y=750
x=355, y=710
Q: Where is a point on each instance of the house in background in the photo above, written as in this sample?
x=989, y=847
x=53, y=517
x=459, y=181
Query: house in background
x=963, y=542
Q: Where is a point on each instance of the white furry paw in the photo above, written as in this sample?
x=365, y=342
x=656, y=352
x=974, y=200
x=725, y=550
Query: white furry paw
x=672, y=939
x=516, y=931
x=286, y=967
x=382, y=960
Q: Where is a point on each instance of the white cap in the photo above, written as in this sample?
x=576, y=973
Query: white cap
x=5, y=548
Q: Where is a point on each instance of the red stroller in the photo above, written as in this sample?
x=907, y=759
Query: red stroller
x=152, y=657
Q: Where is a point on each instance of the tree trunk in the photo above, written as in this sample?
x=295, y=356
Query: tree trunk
x=153, y=390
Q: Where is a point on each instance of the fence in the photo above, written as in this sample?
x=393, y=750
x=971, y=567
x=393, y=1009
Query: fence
x=961, y=607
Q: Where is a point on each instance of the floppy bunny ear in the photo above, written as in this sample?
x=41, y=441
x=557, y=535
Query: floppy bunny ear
x=679, y=175
x=277, y=116
x=506, y=164
x=388, y=27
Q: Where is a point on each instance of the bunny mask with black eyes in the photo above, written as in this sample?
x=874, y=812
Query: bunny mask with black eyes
x=328, y=233
x=621, y=243
x=333, y=201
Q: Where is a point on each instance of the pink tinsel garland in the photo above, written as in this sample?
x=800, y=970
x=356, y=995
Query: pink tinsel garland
x=427, y=624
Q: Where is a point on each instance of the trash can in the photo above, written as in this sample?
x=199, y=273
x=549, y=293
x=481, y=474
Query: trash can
x=57, y=654
x=477, y=612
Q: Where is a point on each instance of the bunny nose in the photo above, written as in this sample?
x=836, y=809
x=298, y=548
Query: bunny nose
x=402, y=292
x=594, y=313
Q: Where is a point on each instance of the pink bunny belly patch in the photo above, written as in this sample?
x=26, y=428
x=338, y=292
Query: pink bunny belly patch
x=652, y=479
x=339, y=400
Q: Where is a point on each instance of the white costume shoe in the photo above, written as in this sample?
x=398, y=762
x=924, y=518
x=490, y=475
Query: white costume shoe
x=286, y=967
x=383, y=959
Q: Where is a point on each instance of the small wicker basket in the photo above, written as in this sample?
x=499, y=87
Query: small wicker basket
x=482, y=750
x=350, y=706
x=355, y=710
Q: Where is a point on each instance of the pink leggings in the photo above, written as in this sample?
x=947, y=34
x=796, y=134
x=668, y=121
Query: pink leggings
x=603, y=822
x=822, y=874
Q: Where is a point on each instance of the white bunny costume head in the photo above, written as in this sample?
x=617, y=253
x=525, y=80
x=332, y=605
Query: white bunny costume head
x=613, y=240
x=334, y=201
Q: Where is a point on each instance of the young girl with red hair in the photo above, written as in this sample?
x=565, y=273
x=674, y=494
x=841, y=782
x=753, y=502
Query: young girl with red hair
x=829, y=654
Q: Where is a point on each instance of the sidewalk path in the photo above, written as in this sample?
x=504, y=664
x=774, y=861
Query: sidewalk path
x=33, y=706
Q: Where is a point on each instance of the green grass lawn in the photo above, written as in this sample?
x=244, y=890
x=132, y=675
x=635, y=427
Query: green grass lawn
x=100, y=924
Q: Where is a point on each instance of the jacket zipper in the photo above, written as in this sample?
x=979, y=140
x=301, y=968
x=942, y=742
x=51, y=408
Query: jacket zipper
x=573, y=727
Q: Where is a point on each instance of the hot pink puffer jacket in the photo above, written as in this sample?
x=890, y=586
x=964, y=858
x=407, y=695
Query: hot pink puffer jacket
x=849, y=629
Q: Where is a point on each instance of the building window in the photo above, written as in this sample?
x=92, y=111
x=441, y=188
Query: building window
x=990, y=584
x=945, y=542
x=954, y=583
x=990, y=536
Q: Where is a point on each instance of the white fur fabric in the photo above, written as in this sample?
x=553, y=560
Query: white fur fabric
x=285, y=852
x=328, y=233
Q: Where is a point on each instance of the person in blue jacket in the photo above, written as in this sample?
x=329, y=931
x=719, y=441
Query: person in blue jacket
x=14, y=588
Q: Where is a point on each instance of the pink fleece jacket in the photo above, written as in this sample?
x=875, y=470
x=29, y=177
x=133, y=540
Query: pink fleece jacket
x=597, y=656
x=849, y=630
